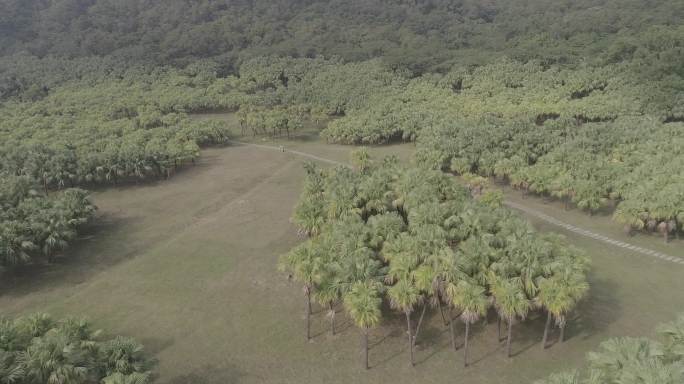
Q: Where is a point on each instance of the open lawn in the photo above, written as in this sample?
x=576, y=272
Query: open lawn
x=188, y=266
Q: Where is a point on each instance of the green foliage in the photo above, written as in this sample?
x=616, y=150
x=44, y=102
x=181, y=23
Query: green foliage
x=414, y=238
x=39, y=349
x=633, y=360
x=574, y=108
x=130, y=128
x=420, y=35
x=33, y=223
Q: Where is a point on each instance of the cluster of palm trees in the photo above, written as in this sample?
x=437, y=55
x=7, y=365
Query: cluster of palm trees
x=146, y=154
x=630, y=165
x=633, y=360
x=270, y=121
x=413, y=239
x=40, y=349
x=34, y=224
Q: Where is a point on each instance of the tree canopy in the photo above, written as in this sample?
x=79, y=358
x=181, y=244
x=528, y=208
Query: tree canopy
x=414, y=238
x=41, y=349
x=633, y=360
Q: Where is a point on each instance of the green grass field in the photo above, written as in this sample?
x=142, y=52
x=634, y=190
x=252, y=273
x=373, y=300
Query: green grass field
x=188, y=266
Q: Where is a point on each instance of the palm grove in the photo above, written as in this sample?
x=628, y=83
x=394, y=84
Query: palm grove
x=415, y=240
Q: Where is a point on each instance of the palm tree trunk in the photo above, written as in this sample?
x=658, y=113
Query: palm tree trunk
x=508, y=342
x=498, y=329
x=562, y=333
x=453, y=337
x=410, y=336
x=441, y=310
x=332, y=318
x=465, y=353
x=364, y=342
x=546, y=330
x=420, y=322
x=308, y=314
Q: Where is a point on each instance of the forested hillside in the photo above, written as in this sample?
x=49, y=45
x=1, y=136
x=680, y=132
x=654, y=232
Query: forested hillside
x=421, y=33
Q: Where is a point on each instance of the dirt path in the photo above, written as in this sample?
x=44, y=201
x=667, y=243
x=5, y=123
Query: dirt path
x=517, y=206
x=593, y=235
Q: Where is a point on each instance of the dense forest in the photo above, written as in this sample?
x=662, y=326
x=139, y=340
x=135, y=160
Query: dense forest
x=581, y=101
x=423, y=35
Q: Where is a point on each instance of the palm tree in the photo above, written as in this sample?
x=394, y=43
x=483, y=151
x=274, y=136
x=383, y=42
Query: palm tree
x=404, y=296
x=11, y=369
x=510, y=302
x=15, y=244
x=616, y=357
x=558, y=294
x=57, y=236
x=572, y=377
x=133, y=378
x=363, y=304
x=673, y=333
x=122, y=355
x=304, y=262
x=361, y=159
x=470, y=298
x=52, y=359
x=327, y=293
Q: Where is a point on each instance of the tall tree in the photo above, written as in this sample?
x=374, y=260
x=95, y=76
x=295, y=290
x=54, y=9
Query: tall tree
x=404, y=296
x=470, y=298
x=558, y=295
x=510, y=303
x=363, y=304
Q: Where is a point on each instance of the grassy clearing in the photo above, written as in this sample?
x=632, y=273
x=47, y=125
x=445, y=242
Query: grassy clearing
x=188, y=267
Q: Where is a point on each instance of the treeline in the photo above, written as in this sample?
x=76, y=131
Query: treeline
x=110, y=130
x=414, y=239
x=423, y=35
x=134, y=124
x=633, y=360
x=594, y=137
x=40, y=349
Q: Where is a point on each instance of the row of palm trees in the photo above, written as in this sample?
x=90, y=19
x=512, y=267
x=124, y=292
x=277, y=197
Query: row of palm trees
x=150, y=155
x=40, y=349
x=270, y=121
x=414, y=239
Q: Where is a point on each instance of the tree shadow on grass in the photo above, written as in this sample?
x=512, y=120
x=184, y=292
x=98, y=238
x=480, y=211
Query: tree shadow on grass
x=597, y=311
x=386, y=358
x=209, y=374
x=593, y=315
x=84, y=259
x=432, y=340
x=320, y=323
